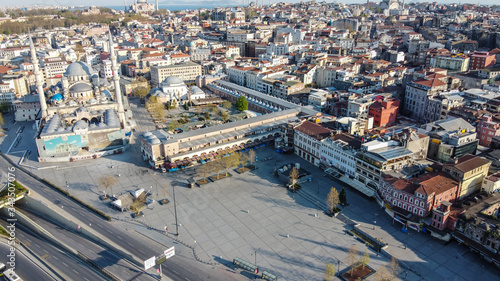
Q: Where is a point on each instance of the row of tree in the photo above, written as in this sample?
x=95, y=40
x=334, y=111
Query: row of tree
x=226, y=163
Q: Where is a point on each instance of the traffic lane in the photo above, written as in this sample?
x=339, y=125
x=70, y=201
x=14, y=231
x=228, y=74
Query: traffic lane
x=24, y=267
x=56, y=258
x=103, y=257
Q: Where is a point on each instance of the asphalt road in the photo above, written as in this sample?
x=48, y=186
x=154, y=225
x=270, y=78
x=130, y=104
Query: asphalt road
x=24, y=267
x=100, y=255
x=178, y=269
x=56, y=258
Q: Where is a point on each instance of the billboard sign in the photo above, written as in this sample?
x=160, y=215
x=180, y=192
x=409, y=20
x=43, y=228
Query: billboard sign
x=149, y=263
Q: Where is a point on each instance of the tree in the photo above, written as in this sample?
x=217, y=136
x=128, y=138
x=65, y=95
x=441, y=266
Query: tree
x=241, y=104
x=224, y=115
x=2, y=121
x=230, y=161
x=393, y=269
x=365, y=259
x=251, y=157
x=381, y=274
x=173, y=125
x=106, y=182
x=139, y=202
x=352, y=257
x=141, y=91
x=343, y=197
x=205, y=170
x=227, y=104
x=332, y=200
x=216, y=165
x=329, y=272
x=293, y=176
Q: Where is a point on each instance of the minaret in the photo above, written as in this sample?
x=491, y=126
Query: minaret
x=125, y=5
x=116, y=79
x=38, y=79
x=157, y=5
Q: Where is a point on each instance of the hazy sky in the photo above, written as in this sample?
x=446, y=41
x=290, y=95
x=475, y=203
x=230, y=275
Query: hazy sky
x=188, y=2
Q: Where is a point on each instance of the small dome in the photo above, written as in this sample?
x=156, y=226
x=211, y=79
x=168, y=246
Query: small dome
x=78, y=68
x=147, y=134
x=172, y=81
x=57, y=97
x=155, y=141
x=80, y=125
x=80, y=87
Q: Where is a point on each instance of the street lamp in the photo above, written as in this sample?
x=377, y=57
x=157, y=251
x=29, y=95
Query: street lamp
x=175, y=212
x=338, y=265
x=374, y=221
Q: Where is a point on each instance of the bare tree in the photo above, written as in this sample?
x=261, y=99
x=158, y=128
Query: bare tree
x=393, y=269
x=293, y=176
x=352, y=257
x=332, y=200
x=138, y=203
x=364, y=259
x=217, y=165
x=329, y=272
x=251, y=157
x=205, y=170
x=106, y=182
x=381, y=274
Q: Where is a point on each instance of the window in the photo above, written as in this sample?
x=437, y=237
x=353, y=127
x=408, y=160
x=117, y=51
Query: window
x=421, y=213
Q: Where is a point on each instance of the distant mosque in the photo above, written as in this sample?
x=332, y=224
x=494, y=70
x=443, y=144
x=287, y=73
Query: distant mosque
x=142, y=7
x=393, y=7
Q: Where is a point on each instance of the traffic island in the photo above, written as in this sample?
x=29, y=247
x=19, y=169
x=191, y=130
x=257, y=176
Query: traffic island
x=358, y=272
x=376, y=244
x=164, y=202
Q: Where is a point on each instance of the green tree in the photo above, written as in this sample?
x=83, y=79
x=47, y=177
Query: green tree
x=343, y=197
x=241, y=104
x=230, y=161
x=329, y=272
x=227, y=104
x=224, y=115
x=141, y=91
x=332, y=200
x=173, y=125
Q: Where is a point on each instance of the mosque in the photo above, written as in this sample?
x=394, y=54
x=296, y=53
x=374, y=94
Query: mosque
x=83, y=116
x=393, y=7
x=142, y=6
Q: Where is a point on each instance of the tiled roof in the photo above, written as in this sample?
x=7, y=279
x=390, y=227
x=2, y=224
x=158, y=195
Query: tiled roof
x=313, y=130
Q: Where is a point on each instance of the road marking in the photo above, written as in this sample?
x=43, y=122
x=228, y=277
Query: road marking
x=65, y=264
x=45, y=251
x=119, y=237
x=37, y=245
x=141, y=251
x=29, y=240
x=55, y=258
x=75, y=271
x=86, y=279
x=109, y=231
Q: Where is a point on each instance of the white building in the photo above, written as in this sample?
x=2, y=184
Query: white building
x=106, y=69
x=317, y=98
x=307, y=141
x=339, y=151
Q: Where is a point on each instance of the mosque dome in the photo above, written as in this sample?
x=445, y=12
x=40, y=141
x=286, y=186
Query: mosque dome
x=172, y=81
x=57, y=97
x=142, y=1
x=80, y=88
x=78, y=68
x=80, y=125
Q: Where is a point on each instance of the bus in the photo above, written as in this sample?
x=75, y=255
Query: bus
x=10, y=275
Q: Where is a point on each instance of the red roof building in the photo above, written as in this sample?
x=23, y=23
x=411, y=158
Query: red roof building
x=384, y=112
x=480, y=60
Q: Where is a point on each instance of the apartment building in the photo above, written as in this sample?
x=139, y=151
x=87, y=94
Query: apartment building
x=487, y=129
x=469, y=171
x=307, y=141
x=54, y=67
x=451, y=62
x=339, y=151
x=481, y=59
x=187, y=72
x=417, y=196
